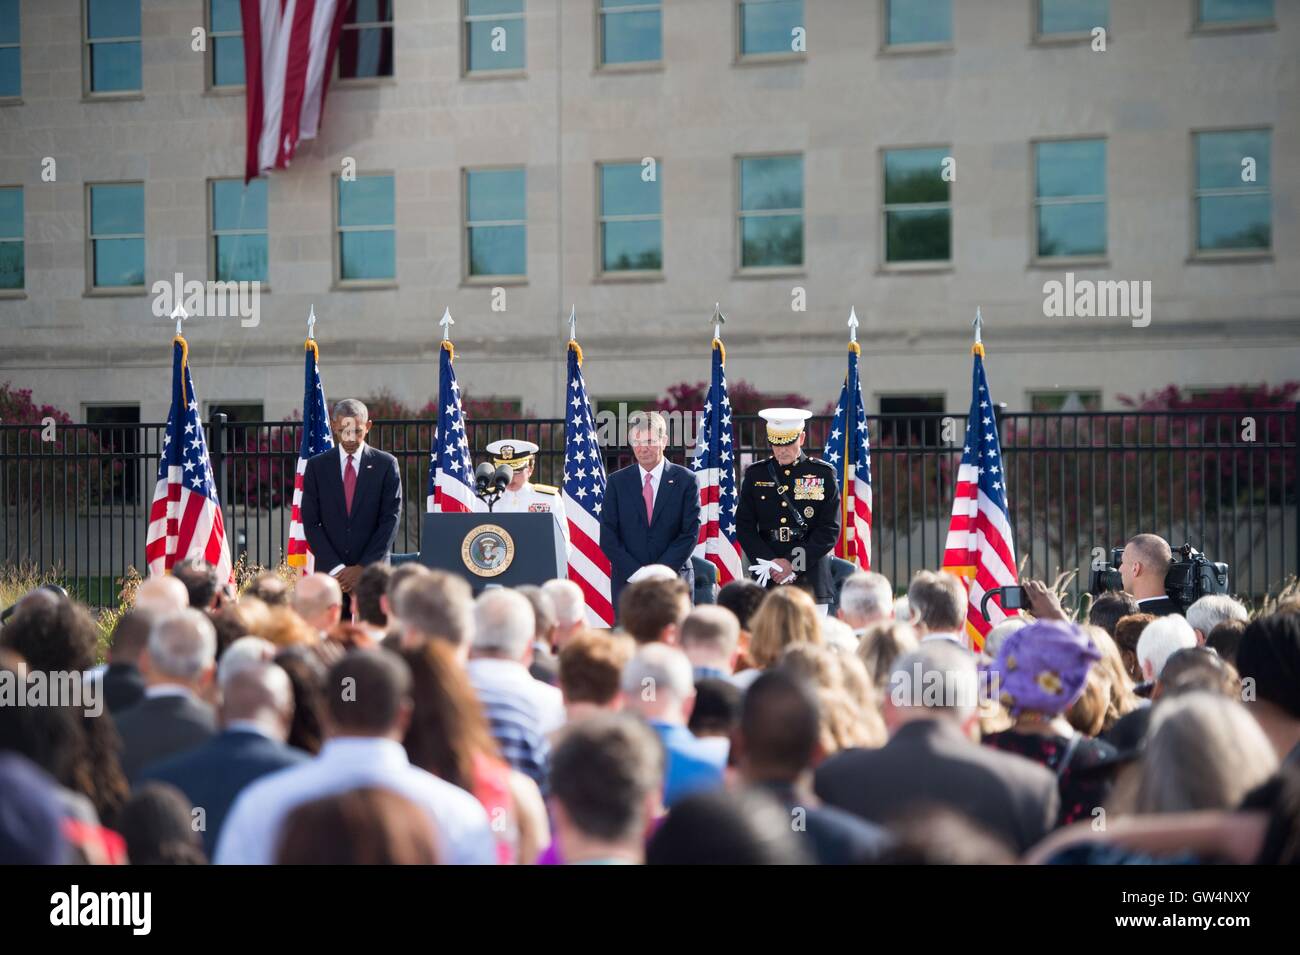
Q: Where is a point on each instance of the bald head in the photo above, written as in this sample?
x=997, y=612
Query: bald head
x=260, y=693
x=1145, y=565
x=318, y=599
x=162, y=594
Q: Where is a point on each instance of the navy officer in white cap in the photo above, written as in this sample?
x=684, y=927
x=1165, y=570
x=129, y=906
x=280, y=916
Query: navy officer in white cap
x=789, y=510
x=521, y=495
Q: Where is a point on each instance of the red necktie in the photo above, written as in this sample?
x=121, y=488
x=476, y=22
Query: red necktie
x=349, y=483
x=648, y=495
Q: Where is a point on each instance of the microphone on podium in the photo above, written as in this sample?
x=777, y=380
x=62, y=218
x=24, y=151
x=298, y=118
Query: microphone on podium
x=482, y=478
x=503, y=476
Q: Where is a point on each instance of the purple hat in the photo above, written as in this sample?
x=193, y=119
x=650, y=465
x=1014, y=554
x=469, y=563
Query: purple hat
x=1043, y=667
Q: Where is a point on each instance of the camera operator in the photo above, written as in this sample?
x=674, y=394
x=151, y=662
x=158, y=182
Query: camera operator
x=1145, y=565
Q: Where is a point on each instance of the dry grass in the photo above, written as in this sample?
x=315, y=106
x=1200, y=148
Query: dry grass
x=17, y=580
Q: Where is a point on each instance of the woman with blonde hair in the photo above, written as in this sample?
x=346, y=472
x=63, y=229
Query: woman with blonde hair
x=883, y=643
x=1121, y=700
x=787, y=615
x=845, y=722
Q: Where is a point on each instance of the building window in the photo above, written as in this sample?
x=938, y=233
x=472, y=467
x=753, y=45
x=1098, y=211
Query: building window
x=631, y=31
x=918, y=208
x=496, y=222
x=1213, y=13
x=226, y=46
x=111, y=47
x=366, y=233
x=1070, y=17
x=12, y=269
x=116, y=428
x=1070, y=198
x=494, y=35
x=918, y=421
x=366, y=43
x=11, y=67
x=238, y=217
x=771, y=27
x=771, y=212
x=631, y=221
x=1233, y=202
x=914, y=22
x=1064, y=400
x=116, y=236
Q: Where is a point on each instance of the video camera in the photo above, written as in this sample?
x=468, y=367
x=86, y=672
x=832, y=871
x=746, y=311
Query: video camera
x=1191, y=576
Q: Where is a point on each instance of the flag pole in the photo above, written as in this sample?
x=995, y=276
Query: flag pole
x=180, y=315
x=845, y=482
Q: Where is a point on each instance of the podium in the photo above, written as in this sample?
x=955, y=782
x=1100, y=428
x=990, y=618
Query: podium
x=506, y=550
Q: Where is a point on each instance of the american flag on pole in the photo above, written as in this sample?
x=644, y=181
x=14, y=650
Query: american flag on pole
x=451, y=469
x=715, y=471
x=316, y=438
x=185, y=517
x=849, y=451
x=981, y=546
x=584, y=493
x=289, y=48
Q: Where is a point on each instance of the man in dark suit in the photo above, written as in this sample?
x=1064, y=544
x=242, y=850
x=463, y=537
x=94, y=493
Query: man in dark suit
x=932, y=757
x=256, y=710
x=123, y=681
x=651, y=513
x=351, y=499
x=177, y=665
x=1146, y=563
x=775, y=743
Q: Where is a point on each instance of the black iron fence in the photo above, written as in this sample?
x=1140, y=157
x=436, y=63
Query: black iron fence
x=76, y=497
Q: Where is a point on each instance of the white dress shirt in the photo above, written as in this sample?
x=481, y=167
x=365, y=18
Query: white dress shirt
x=252, y=830
x=355, y=456
x=512, y=676
x=656, y=476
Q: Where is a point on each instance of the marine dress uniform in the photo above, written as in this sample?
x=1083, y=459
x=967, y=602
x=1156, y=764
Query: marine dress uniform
x=791, y=511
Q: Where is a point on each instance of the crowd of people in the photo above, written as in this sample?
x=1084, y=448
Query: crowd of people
x=409, y=721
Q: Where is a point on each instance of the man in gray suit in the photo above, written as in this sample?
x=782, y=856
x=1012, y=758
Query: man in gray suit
x=932, y=757
x=177, y=666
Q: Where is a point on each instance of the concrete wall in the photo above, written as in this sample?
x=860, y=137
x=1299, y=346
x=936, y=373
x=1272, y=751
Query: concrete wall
x=987, y=98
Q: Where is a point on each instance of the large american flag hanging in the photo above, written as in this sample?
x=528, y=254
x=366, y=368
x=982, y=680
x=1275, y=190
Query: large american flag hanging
x=185, y=517
x=715, y=472
x=981, y=547
x=849, y=451
x=584, y=493
x=316, y=438
x=289, y=48
x=451, y=469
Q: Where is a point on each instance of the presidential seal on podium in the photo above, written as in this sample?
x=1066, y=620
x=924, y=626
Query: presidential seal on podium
x=487, y=550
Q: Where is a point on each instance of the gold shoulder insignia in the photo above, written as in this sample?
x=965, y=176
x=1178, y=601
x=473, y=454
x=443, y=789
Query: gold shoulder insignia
x=546, y=489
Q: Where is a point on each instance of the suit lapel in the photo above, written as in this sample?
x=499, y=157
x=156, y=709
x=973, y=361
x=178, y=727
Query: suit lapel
x=332, y=481
x=667, y=482
x=365, y=474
